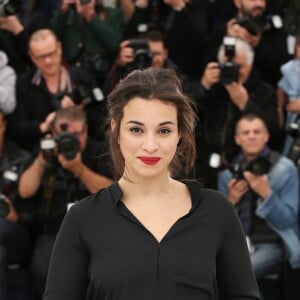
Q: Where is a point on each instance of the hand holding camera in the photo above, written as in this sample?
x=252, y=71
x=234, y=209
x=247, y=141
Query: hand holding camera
x=74, y=165
x=259, y=184
x=211, y=75
x=236, y=189
x=45, y=126
x=239, y=29
x=12, y=215
x=11, y=24
x=126, y=54
x=238, y=94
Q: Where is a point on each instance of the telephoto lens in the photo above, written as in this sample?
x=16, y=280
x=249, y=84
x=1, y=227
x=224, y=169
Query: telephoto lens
x=47, y=145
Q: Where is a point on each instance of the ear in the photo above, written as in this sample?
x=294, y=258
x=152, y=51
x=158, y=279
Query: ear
x=237, y=140
x=237, y=3
x=112, y=124
x=30, y=55
x=267, y=136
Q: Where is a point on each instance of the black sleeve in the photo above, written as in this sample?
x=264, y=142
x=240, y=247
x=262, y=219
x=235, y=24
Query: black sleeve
x=234, y=270
x=264, y=103
x=269, y=56
x=68, y=270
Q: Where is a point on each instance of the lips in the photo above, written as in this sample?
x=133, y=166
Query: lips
x=149, y=160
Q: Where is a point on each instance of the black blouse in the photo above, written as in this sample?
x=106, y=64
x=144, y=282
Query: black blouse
x=103, y=252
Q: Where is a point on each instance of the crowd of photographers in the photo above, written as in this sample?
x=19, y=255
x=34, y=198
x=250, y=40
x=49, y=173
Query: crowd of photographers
x=239, y=60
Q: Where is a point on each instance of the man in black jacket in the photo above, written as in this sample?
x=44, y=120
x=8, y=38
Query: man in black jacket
x=228, y=89
x=263, y=32
x=15, y=215
x=68, y=167
x=47, y=87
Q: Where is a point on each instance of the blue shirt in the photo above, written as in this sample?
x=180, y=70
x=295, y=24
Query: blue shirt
x=280, y=208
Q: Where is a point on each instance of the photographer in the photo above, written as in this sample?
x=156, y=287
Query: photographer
x=90, y=34
x=263, y=186
x=227, y=89
x=71, y=171
x=263, y=32
x=15, y=217
x=139, y=53
x=16, y=25
x=49, y=86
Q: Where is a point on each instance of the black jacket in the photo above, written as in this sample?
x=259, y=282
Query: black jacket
x=35, y=102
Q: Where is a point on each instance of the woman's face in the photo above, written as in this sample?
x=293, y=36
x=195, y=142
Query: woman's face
x=148, y=137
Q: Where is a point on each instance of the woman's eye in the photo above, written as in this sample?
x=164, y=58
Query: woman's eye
x=165, y=131
x=136, y=130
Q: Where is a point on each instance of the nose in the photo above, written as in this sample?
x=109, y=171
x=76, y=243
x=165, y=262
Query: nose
x=150, y=144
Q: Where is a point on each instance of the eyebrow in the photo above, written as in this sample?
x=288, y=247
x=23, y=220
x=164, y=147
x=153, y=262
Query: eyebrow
x=160, y=124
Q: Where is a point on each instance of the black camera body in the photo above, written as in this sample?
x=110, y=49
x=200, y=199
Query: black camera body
x=229, y=71
x=294, y=131
x=67, y=144
x=143, y=55
x=258, y=166
x=258, y=24
x=80, y=94
x=8, y=188
x=254, y=25
x=10, y=7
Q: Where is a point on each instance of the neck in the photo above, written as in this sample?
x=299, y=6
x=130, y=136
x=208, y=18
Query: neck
x=55, y=75
x=152, y=188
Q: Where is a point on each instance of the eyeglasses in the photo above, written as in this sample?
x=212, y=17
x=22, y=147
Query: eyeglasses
x=51, y=55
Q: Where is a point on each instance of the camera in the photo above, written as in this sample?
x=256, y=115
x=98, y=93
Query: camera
x=79, y=95
x=254, y=25
x=8, y=188
x=143, y=55
x=258, y=24
x=229, y=70
x=67, y=144
x=294, y=131
x=258, y=166
x=10, y=7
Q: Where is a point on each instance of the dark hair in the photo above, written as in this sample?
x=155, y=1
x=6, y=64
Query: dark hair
x=71, y=113
x=156, y=36
x=149, y=84
x=250, y=117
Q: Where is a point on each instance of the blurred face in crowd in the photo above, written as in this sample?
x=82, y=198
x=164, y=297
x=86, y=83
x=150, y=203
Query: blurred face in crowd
x=78, y=128
x=250, y=7
x=159, y=53
x=148, y=137
x=251, y=136
x=46, y=54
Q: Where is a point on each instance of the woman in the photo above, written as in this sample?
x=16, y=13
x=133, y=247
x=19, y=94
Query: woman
x=149, y=236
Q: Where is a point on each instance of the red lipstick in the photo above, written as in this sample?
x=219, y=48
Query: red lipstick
x=149, y=160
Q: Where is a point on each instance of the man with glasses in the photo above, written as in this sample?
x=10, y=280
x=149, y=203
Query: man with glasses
x=47, y=87
x=68, y=167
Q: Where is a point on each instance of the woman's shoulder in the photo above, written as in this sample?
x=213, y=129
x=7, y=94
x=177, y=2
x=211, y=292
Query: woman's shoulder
x=206, y=196
x=100, y=200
